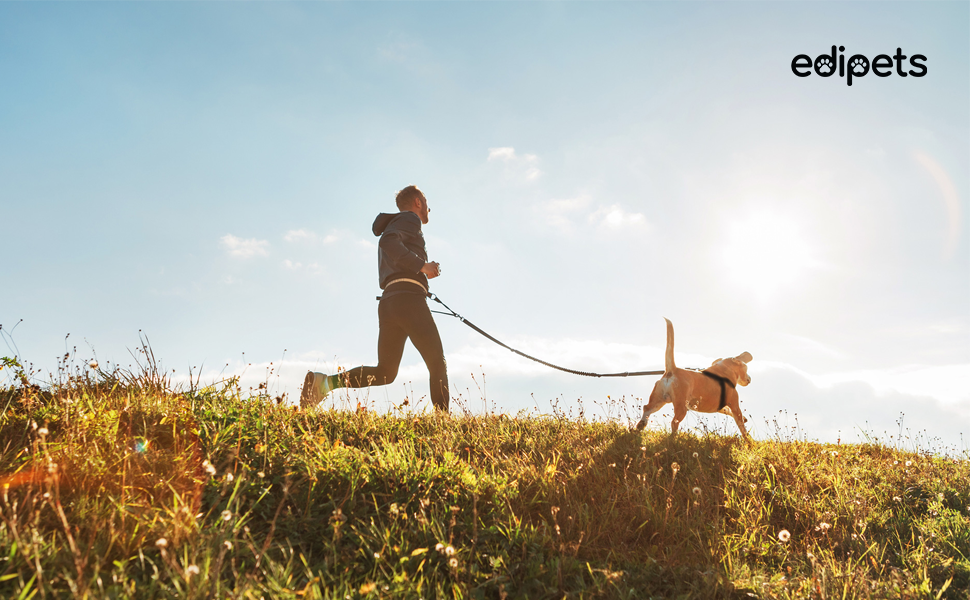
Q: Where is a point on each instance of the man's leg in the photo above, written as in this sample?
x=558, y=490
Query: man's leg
x=417, y=322
x=390, y=349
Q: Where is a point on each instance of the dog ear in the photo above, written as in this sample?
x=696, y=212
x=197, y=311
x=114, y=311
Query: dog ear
x=744, y=357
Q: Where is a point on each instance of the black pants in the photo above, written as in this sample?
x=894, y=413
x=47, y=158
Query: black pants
x=404, y=316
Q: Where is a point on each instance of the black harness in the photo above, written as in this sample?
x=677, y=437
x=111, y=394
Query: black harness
x=722, y=381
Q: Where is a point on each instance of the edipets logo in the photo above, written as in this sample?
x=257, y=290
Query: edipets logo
x=859, y=65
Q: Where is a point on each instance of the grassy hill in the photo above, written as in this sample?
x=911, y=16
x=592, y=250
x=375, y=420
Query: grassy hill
x=116, y=486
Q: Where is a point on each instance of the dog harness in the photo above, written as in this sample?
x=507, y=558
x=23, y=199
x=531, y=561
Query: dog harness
x=722, y=381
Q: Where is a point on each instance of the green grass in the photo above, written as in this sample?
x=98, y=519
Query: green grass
x=254, y=499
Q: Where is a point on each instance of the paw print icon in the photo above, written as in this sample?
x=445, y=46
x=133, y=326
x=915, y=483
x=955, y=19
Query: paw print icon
x=824, y=66
x=858, y=67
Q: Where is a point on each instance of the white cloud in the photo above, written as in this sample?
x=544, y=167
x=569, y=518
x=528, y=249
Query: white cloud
x=569, y=213
x=289, y=265
x=244, y=248
x=525, y=166
x=615, y=218
x=299, y=235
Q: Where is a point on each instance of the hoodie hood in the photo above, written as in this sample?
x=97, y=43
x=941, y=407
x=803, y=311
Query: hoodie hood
x=382, y=221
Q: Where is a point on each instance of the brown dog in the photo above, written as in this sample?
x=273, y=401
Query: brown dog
x=712, y=390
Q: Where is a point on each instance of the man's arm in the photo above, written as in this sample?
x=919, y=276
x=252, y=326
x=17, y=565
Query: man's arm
x=394, y=249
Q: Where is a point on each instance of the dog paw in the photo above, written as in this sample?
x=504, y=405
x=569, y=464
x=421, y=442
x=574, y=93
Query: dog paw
x=859, y=66
x=824, y=65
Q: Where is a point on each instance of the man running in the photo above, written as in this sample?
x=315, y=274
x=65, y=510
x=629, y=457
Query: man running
x=403, y=312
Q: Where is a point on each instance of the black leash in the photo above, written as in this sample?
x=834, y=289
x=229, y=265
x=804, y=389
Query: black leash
x=452, y=313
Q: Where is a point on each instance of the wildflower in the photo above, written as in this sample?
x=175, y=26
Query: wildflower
x=783, y=535
x=675, y=467
x=823, y=527
x=439, y=547
x=192, y=570
x=161, y=543
x=227, y=544
x=211, y=470
x=697, y=492
x=897, y=499
x=42, y=432
x=909, y=463
x=377, y=556
x=450, y=551
x=93, y=364
x=453, y=563
x=834, y=453
x=695, y=455
x=261, y=474
x=229, y=477
x=226, y=515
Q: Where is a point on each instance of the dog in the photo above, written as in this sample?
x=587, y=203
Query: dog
x=712, y=390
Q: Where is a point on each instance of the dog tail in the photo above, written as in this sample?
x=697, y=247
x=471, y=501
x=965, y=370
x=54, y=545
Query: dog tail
x=669, y=365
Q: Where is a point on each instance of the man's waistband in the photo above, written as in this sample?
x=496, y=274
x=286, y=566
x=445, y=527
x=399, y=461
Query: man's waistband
x=406, y=280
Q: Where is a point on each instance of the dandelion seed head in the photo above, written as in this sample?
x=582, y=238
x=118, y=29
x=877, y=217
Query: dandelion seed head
x=439, y=547
x=453, y=563
x=161, y=543
x=697, y=491
x=377, y=556
x=192, y=570
x=784, y=535
x=696, y=455
x=823, y=527
x=450, y=551
x=909, y=463
x=227, y=544
x=229, y=477
x=260, y=474
x=42, y=432
x=93, y=364
x=226, y=515
x=674, y=467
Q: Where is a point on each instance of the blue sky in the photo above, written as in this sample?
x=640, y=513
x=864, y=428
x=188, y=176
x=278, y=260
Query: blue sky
x=208, y=174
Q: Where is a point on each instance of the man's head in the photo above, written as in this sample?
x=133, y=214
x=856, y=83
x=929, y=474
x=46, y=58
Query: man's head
x=412, y=199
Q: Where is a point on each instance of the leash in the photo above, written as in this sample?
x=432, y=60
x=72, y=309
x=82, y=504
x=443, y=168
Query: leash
x=452, y=313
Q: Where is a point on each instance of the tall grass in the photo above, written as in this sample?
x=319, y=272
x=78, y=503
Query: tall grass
x=117, y=485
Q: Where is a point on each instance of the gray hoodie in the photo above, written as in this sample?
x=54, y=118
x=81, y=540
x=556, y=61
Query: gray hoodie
x=401, y=252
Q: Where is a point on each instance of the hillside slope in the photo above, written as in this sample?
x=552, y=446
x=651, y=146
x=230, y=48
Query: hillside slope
x=119, y=487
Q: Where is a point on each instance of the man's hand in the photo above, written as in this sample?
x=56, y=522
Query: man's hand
x=431, y=269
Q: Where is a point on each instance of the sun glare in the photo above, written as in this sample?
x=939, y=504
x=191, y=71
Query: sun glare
x=766, y=254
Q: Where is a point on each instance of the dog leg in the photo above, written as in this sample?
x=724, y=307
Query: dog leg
x=649, y=409
x=739, y=419
x=680, y=411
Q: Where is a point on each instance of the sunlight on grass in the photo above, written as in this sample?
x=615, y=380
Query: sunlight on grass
x=114, y=484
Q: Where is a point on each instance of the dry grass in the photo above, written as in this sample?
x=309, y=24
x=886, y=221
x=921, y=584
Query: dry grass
x=118, y=486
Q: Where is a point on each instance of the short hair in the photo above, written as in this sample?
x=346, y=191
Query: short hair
x=408, y=195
